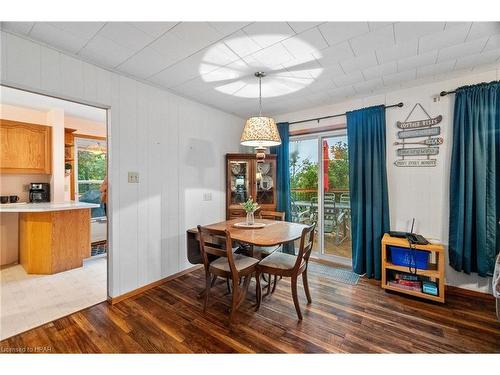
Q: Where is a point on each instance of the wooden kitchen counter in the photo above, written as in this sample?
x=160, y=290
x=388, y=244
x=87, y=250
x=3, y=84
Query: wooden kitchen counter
x=53, y=237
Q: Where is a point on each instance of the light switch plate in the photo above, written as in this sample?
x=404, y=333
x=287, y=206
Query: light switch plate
x=133, y=177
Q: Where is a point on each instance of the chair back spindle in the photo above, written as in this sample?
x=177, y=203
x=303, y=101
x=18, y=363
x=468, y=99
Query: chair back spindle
x=225, y=250
x=306, y=245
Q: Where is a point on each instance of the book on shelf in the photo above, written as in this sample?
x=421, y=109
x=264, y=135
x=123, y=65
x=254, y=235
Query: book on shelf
x=405, y=276
x=417, y=284
x=395, y=284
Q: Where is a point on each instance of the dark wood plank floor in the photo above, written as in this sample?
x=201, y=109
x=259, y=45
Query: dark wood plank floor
x=341, y=319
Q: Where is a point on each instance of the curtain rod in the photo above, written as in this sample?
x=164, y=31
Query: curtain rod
x=444, y=93
x=400, y=104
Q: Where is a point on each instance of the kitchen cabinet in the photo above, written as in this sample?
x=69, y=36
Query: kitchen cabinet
x=246, y=178
x=25, y=148
x=53, y=237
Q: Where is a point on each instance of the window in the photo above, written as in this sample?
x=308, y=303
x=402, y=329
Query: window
x=91, y=167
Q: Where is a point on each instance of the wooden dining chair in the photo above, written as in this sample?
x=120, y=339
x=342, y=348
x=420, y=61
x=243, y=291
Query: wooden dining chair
x=260, y=252
x=228, y=265
x=287, y=265
x=272, y=215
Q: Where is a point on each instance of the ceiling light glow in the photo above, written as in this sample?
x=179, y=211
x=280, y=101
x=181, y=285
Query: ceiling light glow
x=286, y=72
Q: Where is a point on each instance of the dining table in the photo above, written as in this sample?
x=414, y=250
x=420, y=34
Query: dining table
x=273, y=233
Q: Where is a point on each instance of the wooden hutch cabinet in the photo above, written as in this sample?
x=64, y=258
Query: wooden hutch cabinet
x=246, y=178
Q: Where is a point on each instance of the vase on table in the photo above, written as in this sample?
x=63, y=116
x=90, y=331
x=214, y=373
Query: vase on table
x=250, y=218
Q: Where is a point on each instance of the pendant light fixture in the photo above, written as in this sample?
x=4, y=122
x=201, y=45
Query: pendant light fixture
x=260, y=131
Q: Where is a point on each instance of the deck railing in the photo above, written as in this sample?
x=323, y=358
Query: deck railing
x=311, y=194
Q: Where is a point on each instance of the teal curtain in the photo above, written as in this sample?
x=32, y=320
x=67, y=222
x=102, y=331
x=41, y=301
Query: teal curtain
x=283, y=176
x=474, y=238
x=368, y=188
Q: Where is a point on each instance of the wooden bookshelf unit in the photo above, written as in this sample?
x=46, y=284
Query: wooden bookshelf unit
x=435, y=271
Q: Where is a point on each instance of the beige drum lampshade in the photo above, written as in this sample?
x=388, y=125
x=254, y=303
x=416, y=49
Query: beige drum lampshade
x=260, y=132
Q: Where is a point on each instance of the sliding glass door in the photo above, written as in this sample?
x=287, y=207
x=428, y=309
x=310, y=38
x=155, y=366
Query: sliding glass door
x=319, y=171
x=304, y=172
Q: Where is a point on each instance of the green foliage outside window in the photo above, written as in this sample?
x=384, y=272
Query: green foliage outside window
x=91, y=166
x=338, y=169
x=304, y=173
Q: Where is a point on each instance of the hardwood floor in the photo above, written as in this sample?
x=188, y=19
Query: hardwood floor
x=341, y=319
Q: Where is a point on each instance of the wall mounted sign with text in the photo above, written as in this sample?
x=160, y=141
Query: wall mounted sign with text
x=420, y=123
x=415, y=151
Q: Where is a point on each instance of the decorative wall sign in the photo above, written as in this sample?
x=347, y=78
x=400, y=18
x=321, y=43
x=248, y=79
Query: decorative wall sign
x=419, y=133
x=418, y=128
x=418, y=151
x=415, y=163
x=420, y=123
x=429, y=142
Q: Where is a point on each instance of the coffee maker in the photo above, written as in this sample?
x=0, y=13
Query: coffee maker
x=39, y=192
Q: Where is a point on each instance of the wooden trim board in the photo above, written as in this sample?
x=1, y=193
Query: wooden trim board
x=88, y=136
x=468, y=293
x=115, y=300
x=318, y=129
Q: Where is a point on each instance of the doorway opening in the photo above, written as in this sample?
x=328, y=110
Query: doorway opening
x=65, y=152
x=319, y=173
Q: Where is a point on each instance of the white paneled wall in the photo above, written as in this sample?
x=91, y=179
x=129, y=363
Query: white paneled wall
x=176, y=145
x=422, y=193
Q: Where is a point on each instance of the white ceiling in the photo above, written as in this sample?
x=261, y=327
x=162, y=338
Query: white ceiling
x=307, y=63
x=46, y=103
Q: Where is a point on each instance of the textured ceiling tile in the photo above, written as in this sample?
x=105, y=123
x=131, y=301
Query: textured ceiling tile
x=53, y=36
x=482, y=29
x=333, y=70
x=336, y=32
x=334, y=54
x=146, y=63
x=380, y=38
x=397, y=52
x=105, y=52
x=380, y=70
x=154, y=29
x=434, y=69
x=85, y=30
x=449, y=37
x=266, y=34
x=299, y=27
x=348, y=79
x=406, y=31
x=227, y=28
x=18, y=27
x=460, y=50
x=493, y=43
x=274, y=55
x=126, y=35
x=451, y=25
x=242, y=44
x=377, y=25
x=472, y=61
x=368, y=86
x=417, y=60
x=396, y=78
x=359, y=63
x=308, y=42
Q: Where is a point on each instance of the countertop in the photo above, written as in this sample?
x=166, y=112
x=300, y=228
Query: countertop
x=45, y=207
